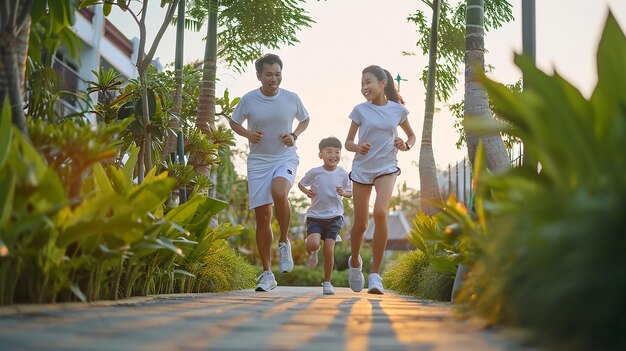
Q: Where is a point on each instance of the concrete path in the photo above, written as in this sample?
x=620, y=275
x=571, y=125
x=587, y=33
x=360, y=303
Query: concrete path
x=287, y=318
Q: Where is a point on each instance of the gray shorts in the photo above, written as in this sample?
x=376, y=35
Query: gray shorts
x=328, y=228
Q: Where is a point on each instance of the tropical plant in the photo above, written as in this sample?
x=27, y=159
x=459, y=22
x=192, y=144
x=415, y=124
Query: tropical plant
x=557, y=230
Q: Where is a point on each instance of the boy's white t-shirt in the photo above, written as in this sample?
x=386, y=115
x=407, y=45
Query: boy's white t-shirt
x=378, y=125
x=327, y=203
x=272, y=115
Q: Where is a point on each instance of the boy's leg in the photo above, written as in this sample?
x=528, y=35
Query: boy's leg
x=312, y=243
x=264, y=235
x=384, y=190
x=329, y=258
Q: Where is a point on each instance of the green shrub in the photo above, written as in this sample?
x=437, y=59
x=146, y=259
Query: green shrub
x=413, y=274
x=224, y=270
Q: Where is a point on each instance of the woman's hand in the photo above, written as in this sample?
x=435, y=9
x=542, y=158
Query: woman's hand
x=400, y=144
x=364, y=148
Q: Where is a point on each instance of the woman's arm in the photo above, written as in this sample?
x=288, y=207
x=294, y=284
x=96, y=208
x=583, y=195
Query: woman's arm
x=362, y=148
x=410, y=142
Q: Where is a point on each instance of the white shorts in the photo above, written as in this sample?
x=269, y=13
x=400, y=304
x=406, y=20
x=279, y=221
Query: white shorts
x=260, y=177
x=367, y=178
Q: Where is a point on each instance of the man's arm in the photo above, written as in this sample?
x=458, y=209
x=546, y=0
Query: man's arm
x=254, y=137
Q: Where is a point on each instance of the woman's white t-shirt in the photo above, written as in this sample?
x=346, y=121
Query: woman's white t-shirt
x=327, y=203
x=378, y=125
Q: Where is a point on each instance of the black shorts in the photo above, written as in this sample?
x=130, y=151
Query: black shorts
x=328, y=228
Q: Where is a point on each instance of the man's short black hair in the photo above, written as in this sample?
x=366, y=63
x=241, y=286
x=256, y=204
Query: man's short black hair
x=269, y=59
x=330, y=142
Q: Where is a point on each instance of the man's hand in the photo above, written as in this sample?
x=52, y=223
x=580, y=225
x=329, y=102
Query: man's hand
x=255, y=136
x=287, y=139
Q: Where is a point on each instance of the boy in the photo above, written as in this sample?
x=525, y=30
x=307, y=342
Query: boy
x=324, y=219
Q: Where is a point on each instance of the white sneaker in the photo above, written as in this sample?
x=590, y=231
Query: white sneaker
x=266, y=281
x=339, y=239
x=375, y=284
x=327, y=288
x=285, y=261
x=313, y=258
x=355, y=276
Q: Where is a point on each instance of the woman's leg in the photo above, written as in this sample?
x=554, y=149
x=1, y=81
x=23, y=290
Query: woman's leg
x=360, y=198
x=384, y=190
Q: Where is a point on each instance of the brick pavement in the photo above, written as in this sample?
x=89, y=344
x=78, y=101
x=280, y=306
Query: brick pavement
x=287, y=318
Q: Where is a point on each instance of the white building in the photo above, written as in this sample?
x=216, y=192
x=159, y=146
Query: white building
x=103, y=46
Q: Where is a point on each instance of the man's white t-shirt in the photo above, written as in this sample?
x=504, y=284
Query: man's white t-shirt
x=378, y=125
x=272, y=115
x=327, y=203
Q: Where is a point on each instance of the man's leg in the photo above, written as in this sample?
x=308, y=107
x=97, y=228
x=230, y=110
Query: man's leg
x=280, y=193
x=264, y=235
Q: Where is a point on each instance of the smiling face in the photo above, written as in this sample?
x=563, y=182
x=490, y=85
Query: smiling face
x=331, y=157
x=270, y=78
x=372, y=88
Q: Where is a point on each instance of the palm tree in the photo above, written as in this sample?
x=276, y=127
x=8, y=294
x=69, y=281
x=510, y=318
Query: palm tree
x=429, y=186
x=476, y=100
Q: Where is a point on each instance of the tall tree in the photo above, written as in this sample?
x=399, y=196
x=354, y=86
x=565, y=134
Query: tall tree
x=429, y=186
x=476, y=100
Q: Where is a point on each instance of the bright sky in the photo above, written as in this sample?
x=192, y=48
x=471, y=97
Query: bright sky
x=325, y=67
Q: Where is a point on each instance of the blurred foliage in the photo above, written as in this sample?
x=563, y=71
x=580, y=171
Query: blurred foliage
x=545, y=250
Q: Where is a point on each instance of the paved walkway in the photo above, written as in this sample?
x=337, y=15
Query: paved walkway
x=287, y=318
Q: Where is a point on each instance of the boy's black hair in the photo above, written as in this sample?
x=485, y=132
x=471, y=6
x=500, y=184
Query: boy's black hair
x=330, y=141
x=269, y=59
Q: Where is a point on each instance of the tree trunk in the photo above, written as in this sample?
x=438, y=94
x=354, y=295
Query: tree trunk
x=205, y=119
x=429, y=186
x=476, y=100
x=14, y=33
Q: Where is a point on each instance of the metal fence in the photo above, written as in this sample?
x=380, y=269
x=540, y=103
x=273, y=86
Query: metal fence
x=457, y=178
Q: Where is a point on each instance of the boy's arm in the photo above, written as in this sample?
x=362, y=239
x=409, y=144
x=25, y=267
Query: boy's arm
x=308, y=192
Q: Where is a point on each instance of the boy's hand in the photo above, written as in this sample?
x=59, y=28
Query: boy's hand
x=340, y=191
x=255, y=136
x=287, y=139
x=364, y=148
x=310, y=193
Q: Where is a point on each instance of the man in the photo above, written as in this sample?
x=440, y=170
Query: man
x=272, y=162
